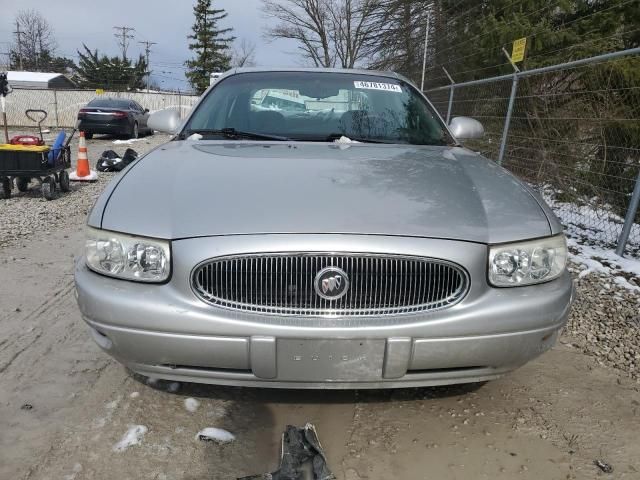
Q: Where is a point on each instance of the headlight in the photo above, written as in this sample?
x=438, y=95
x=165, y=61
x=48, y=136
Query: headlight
x=526, y=263
x=128, y=257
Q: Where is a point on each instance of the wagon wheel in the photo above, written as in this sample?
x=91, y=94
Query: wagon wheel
x=49, y=188
x=23, y=183
x=63, y=178
x=5, y=187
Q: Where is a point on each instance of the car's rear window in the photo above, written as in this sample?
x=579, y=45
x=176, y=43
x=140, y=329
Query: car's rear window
x=109, y=103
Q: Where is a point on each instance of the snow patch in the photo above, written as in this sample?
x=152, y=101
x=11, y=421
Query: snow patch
x=215, y=435
x=344, y=140
x=132, y=437
x=591, y=229
x=623, y=282
x=599, y=260
x=590, y=222
x=134, y=395
x=191, y=404
x=194, y=137
x=126, y=142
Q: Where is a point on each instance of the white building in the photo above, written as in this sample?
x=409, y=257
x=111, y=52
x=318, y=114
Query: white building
x=39, y=80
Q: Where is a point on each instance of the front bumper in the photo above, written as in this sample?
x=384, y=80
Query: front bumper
x=164, y=331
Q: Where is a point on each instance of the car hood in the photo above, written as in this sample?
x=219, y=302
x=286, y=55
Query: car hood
x=189, y=189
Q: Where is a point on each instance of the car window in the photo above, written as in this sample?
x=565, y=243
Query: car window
x=317, y=106
x=109, y=103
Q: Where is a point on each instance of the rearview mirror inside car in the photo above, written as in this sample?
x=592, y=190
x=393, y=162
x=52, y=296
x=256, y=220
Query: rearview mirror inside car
x=167, y=120
x=319, y=90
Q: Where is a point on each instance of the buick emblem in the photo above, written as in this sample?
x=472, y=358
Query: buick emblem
x=331, y=283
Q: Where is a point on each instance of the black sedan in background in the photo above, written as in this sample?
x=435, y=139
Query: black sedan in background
x=115, y=116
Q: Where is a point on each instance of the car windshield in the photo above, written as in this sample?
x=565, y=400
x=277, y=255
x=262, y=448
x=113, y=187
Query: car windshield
x=318, y=106
x=109, y=103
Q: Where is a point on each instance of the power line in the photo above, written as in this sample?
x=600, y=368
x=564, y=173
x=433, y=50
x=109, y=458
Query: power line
x=147, y=49
x=123, y=39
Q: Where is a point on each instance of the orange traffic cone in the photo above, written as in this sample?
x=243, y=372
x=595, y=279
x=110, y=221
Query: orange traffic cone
x=83, y=172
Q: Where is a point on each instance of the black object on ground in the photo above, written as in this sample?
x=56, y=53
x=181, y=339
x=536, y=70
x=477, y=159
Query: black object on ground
x=26, y=406
x=301, y=452
x=604, y=466
x=110, y=161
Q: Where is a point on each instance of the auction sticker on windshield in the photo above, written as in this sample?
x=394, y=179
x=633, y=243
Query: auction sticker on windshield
x=390, y=87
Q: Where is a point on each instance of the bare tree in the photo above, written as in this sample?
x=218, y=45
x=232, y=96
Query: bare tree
x=352, y=30
x=244, y=54
x=34, y=43
x=328, y=32
x=306, y=22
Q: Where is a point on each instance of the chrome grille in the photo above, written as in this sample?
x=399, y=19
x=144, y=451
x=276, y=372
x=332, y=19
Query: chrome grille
x=283, y=284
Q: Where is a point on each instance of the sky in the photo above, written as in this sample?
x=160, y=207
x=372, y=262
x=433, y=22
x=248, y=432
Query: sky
x=167, y=22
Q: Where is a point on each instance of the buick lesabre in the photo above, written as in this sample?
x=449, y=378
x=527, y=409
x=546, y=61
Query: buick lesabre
x=321, y=229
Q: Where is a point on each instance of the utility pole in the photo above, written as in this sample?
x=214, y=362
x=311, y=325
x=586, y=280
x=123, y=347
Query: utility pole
x=123, y=39
x=147, y=49
x=18, y=35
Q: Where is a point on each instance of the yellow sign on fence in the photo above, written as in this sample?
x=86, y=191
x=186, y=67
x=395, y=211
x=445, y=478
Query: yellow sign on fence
x=519, y=46
x=99, y=91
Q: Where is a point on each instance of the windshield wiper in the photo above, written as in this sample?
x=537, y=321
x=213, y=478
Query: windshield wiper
x=234, y=134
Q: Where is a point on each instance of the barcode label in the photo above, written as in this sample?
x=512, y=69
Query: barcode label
x=389, y=87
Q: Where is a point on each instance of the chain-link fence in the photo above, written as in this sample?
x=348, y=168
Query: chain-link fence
x=62, y=106
x=571, y=130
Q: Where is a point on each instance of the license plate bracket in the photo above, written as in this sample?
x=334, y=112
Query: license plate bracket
x=331, y=360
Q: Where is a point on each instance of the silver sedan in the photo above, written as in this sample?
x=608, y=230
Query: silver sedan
x=321, y=229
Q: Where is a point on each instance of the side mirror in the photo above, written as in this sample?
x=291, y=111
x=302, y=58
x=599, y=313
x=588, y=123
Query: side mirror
x=146, y=110
x=167, y=120
x=465, y=128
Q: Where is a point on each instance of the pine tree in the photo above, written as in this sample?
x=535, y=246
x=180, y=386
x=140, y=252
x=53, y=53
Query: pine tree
x=95, y=71
x=211, y=44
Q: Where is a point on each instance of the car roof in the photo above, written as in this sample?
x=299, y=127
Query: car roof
x=110, y=99
x=355, y=71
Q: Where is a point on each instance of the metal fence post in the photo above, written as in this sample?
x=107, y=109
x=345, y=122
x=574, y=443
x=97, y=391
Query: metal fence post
x=55, y=107
x=629, y=219
x=507, y=120
x=451, y=89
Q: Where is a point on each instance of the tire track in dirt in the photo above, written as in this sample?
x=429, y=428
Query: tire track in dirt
x=10, y=351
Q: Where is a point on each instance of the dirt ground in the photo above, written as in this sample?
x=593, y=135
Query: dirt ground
x=64, y=404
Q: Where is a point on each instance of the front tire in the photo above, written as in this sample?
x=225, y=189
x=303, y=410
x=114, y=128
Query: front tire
x=65, y=185
x=49, y=188
x=5, y=187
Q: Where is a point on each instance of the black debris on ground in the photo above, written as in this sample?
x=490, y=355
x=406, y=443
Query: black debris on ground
x=301, y=453
x=604, y=466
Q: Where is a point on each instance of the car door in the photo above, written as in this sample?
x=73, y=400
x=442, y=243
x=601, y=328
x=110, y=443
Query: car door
x=143, y=116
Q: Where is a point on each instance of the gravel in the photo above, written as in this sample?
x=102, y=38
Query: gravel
x=28, y=213
x=604, y=321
